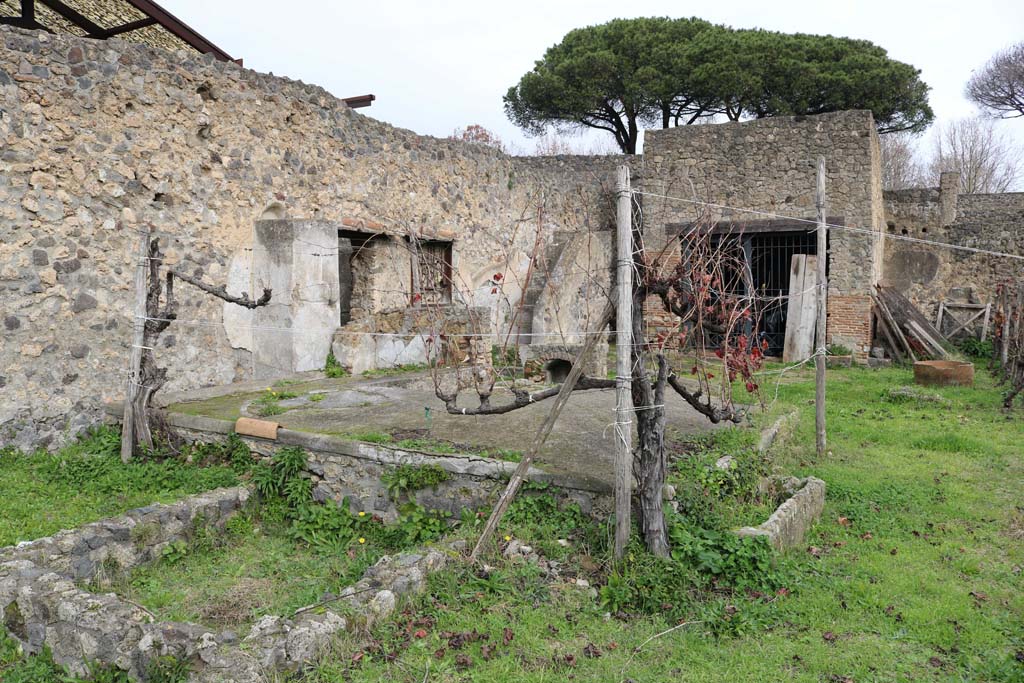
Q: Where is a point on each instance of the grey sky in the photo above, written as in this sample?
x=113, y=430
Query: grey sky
x=437, y=66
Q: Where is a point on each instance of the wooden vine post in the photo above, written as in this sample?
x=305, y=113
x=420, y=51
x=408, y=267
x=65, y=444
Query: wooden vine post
x=623, y=376
x=819, y=342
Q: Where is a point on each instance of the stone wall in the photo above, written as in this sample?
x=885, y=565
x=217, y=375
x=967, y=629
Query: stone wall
x=929, y=273
x=341, y=469
x=769, y=165
x=101, y=138
x=43, y=605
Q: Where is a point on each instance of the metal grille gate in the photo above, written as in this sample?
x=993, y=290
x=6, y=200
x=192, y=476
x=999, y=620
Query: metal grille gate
x=769, y=256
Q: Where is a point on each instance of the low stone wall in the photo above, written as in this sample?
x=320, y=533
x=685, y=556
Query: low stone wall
x=42, y=606
x=343, y=469
x=119, y=544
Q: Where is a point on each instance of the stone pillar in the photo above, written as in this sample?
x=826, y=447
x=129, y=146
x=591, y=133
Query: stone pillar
x=949, y=192
x=298, y=259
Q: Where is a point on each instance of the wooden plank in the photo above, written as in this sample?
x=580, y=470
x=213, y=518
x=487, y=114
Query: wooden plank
x=519, y=476
x=984, y=324
x=819, y=338
x=904, y=311
x=802, y=306
x=884, y=326
x=894, y=326
x=928, y=339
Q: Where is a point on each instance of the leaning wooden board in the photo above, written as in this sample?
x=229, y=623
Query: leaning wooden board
x=800, y=315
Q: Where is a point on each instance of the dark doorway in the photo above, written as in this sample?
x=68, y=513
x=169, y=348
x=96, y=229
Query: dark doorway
x=557, y=370
x=353, y=252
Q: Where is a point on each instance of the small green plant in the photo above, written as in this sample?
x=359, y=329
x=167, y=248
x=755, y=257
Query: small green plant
x=269, y=402
x=317, y=397
x=617, y=594
x=370, y=437
x=428, y=445
x=838, y=350
x=731, y=560
x=406, y=478
x=396, y=370
x=416, y=524
x=239, y=526
x=505, y=454
x=334, y=369
x=144, y=534
x=174, y=552
x=167, y=669
x=975, y=348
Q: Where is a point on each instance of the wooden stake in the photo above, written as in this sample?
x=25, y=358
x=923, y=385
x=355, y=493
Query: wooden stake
x=542, y=434
x=623, y=376
x=138, y=327
x=819, y=343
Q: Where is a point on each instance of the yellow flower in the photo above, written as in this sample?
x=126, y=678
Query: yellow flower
x=362, y=514
x=508, y=538
x=362, y=540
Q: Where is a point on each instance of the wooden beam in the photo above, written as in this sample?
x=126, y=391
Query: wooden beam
x=179, y=28
x=760, y=225
x=125, y=28
x=75, y=17
x=623, y=373
x=884, y=326
x=22, y=22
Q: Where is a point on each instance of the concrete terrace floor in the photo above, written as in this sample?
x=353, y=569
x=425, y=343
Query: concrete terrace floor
x=580, y=444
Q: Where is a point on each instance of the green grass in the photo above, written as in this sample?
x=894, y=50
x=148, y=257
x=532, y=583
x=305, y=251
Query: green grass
x=396, y=370
x=915, y=572
x=253, y=570
x=43, y=493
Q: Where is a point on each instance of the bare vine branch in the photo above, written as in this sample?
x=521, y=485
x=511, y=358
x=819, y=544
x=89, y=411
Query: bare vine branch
x=221, y=291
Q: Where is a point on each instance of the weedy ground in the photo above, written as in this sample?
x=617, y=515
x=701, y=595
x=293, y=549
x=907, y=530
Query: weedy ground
x=43, y=493
x=229, y=580
x=913, y=572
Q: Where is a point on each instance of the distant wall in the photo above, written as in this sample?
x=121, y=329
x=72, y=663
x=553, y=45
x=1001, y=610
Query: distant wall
x=769, y=165
x=98, y=139
x=929, y=273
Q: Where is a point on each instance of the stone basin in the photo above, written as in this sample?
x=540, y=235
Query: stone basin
x=944, y=373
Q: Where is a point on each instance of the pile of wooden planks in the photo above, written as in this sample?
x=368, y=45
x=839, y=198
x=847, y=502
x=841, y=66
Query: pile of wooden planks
x=906, y=329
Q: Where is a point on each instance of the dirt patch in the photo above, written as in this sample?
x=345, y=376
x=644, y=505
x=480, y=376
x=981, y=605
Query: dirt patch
x=238, y=604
